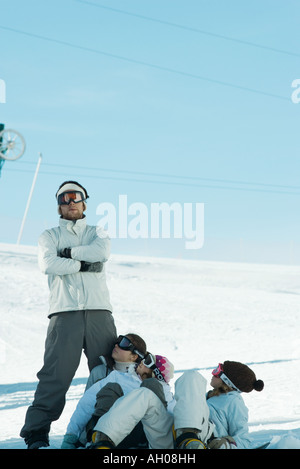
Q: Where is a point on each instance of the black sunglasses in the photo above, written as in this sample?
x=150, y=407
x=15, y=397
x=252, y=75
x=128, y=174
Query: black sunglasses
x=125, y=344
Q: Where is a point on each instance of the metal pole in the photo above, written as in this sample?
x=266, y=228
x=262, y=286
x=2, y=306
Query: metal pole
x=29, y=198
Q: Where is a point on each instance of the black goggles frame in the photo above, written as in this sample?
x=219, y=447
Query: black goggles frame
x=63, y=198
x=149, y=362
x=125, y=344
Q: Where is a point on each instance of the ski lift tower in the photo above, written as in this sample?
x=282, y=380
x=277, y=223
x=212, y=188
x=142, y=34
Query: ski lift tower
x=12, y=145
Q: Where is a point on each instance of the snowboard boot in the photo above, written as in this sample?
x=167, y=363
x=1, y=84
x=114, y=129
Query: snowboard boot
x=187, y=438
x=37, y=439
x=101, y=441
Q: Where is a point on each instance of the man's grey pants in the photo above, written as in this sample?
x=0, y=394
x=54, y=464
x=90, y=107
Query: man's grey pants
x=68, y=334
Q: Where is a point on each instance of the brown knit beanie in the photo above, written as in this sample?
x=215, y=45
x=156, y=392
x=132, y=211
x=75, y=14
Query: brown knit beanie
x=242, y=376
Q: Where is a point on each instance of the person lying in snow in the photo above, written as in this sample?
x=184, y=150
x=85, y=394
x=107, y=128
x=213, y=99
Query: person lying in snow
x=155, y=372
x=100, y=396
x=218, y=420
x=128, y=350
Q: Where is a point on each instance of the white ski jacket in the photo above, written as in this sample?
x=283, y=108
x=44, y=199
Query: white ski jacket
x=70, y=289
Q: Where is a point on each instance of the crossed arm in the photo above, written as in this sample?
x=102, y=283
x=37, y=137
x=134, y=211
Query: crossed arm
x=84, y=258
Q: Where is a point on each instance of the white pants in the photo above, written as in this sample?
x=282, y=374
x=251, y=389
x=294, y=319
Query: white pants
x=139, y=405
x=191, y=411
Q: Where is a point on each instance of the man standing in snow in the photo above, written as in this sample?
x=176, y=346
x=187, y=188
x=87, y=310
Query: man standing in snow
x=73, y=256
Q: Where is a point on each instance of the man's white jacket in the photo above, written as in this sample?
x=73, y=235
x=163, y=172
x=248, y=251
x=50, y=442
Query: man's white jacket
x=70, y=289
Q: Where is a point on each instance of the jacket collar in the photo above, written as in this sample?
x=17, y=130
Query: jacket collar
x=76, y=226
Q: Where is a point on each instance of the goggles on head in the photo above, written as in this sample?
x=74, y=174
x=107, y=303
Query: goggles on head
x=125, y=344
x=149, y=362
x=65, y=198
x=218, y=372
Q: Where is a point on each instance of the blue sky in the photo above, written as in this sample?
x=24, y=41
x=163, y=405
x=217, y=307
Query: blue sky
x=173, y=101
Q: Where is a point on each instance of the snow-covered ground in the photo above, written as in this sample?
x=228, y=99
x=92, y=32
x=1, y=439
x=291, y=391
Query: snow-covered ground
x=197, y=313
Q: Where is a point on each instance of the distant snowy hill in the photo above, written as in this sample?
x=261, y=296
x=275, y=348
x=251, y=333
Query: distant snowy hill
x=197, y=313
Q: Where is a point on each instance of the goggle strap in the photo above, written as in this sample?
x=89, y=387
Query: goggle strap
x=155, y=370
x=137, y=352
x=229, y=382
x=219, y=373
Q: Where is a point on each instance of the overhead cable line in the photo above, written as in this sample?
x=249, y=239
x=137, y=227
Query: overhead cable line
x=164, y=175
x=189, y=28
x=170, y=183
x=145, y=64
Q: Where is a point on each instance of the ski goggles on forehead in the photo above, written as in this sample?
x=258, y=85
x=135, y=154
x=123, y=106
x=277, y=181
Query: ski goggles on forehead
x=219, y=373
x=71, y=196
x=125, y=344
